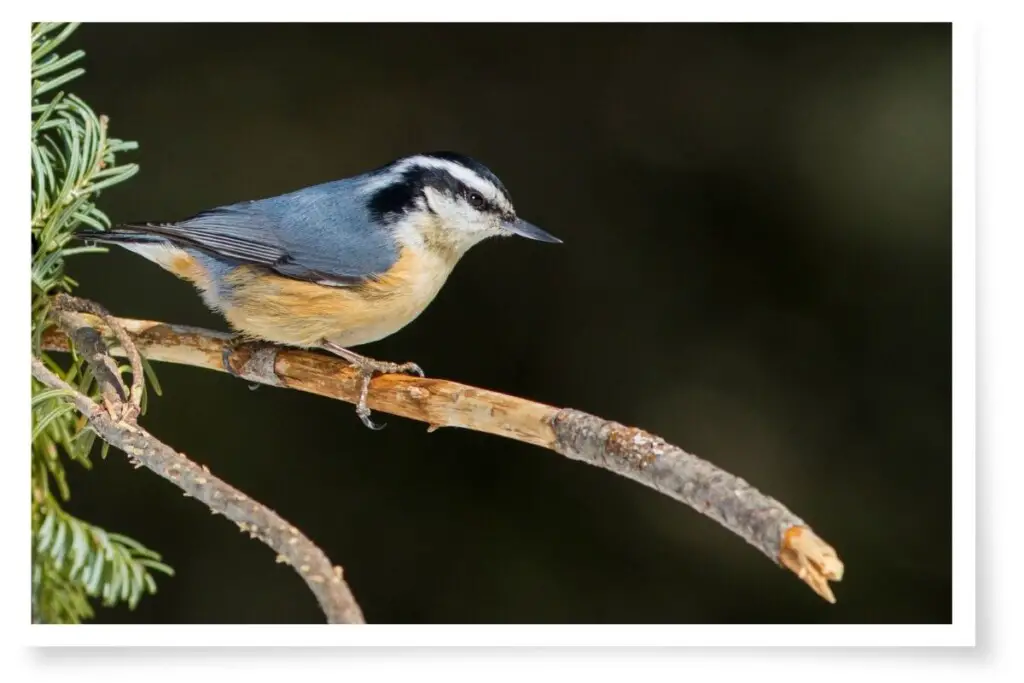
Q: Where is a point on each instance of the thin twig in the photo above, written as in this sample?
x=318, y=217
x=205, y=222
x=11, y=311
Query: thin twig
x=65, y=303
x=117, y=427
x=761, y=520
x=89, y=345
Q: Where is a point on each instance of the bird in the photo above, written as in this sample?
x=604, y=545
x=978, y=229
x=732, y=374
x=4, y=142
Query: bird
x=338, y=264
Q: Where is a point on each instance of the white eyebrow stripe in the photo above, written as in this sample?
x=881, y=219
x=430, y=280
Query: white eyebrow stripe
x=470, y=178
x=459, y=172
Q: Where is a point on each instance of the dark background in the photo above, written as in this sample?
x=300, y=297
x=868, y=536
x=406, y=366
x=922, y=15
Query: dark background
x=757, y=226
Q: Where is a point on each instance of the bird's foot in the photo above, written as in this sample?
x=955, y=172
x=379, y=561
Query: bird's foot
x=368, y=367
x=240, y=341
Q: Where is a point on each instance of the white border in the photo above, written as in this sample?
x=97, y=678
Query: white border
x=964, y=333
x=545, y=636
x=961, y=632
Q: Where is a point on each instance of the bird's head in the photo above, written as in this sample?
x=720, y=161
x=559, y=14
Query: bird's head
x=445, y=200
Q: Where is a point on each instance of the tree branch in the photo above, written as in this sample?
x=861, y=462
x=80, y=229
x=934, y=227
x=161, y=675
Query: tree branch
x=760, y=520
x=114, y=422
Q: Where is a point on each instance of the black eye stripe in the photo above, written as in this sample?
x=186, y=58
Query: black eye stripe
x=476, y=167
x=444, y=181
x=392, y=201
x=477, y=201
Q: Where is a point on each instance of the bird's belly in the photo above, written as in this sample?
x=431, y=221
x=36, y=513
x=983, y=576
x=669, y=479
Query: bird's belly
x=300, y=313
x=365, y=320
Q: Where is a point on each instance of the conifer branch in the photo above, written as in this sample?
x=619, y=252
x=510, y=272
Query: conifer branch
x=759, y=519
x=74, y=159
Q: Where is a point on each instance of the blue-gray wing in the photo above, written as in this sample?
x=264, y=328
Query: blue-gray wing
x=322, y=233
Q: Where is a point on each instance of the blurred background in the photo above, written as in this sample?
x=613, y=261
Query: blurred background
x=757, y=257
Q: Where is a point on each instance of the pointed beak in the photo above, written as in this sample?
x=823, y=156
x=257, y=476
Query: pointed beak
x=529, y=231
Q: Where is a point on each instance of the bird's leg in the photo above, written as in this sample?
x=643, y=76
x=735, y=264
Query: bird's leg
x=236, y=342
x=368, y=367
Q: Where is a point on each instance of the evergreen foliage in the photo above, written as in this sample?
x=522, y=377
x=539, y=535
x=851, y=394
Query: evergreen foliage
x=73, y=161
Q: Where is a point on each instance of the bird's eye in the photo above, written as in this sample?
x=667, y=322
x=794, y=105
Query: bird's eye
x=476, y=200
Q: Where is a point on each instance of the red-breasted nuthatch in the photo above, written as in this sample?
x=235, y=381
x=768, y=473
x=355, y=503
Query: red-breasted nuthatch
x=339, y=264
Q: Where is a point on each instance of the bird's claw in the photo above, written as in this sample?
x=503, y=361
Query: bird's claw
x=401, y=368
x=233, y=345
x=363, y=412
x=368, y=368
x=230, y=346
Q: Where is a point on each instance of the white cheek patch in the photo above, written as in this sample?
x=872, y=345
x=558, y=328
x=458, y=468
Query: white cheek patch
x=456, y=213
x=434, y=200
x=462, y=225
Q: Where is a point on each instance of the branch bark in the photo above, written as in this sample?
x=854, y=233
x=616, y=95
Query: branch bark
x=114, y=422
x=759, y=519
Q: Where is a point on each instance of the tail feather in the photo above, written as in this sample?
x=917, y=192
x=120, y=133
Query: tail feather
x=120, y=234
x=139, y=240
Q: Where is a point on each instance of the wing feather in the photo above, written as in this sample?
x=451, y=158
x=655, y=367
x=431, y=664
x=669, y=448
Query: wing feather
x=321, y=234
